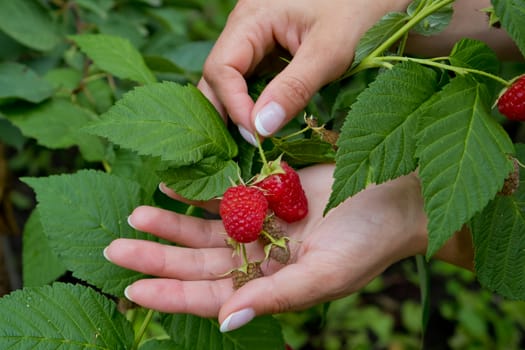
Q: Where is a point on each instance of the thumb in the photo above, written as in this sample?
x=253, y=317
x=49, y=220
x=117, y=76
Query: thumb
x=293, y=287
x=314, y=64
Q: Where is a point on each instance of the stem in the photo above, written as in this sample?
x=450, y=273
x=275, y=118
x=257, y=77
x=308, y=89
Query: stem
x=190, y=210
x=142, y=329
x=261, y=151
x=433, y=63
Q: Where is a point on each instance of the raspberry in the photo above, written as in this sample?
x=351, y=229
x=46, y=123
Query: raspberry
x=243, y=210
x=285, y=194
x=275, y=240
x=242, y=276
x=512, y=102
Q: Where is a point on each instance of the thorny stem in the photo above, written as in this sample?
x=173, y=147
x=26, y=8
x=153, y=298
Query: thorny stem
x=142, y=329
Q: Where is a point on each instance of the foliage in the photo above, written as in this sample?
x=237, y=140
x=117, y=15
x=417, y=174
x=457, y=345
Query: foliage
x=115, y=81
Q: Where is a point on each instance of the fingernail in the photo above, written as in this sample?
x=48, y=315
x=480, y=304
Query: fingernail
x=237, y=320
x=130, y=224
x=126, y=293
x=105, y=253
x=248, y=136
x=162, y=187
x=269, y=119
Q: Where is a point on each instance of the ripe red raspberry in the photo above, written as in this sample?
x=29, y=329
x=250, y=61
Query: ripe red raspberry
x=243, y=210
x=512, y=102
x=285, y=194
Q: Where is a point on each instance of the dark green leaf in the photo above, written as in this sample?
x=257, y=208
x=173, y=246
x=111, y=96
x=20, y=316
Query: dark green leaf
x=26, y=22
x=195, y=333
x=167, y=120
x=116, y=56
x=204, y=180
x=81, y=214
x=475, y=54
x=62, y=316
x=19, y=81
x=40, y=264
x=434, y=23
x=377, y=141
x=463, y=156
x=302, y=151
x=512, y=18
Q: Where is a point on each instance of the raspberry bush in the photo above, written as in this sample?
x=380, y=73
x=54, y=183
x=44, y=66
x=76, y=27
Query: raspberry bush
x=89, y=79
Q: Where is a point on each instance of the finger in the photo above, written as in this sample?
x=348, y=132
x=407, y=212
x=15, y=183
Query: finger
x=319, y=60
x=211, y=206
x=162, y=260
x=294, y=287
x=201, y=298
x=207, y=91
x=185, y=230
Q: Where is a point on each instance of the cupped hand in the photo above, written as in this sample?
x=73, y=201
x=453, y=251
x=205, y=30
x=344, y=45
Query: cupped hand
x=332, y=255
x=320, y=35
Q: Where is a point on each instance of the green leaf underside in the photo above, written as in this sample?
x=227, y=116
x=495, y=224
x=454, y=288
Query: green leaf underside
x=512, y=17
x=463, y=156
x=62, y=316
x=377, y=140
x=204, y=180
x=40, y=264
x=116, y=56
x=434, y=23
x=302, y=152
x=499, y=239
x=19, y=81
x=379, y=33
x=27, y=23
x=57, y=124
x=81, y=214
x=192, y=332
x=174, y=122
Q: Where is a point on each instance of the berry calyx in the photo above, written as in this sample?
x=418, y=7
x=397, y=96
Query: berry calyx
x=511, y=103
x=244, y=274
x=243, y=210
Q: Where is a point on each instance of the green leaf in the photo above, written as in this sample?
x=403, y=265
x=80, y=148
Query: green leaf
x=303, y=151
x=164, y=344
x=116, y=56
x=81, y=214
x=512, y=18
x=193, y=333
x=475, y=54
x=39, y=263
x=167, y=120
x=379, y=33
x=26, y=22
x=57, y=124
x=62, y=316
x=499, y=239
x=10, y=134
x=19, y=81
x=377, y=141
x=463, y=156
x=204, y=180
x=434, y=23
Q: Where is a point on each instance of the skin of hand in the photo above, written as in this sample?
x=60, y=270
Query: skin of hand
x=321, y=37
x=332, y=256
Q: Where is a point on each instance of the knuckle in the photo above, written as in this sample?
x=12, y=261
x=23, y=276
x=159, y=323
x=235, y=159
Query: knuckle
x=296, y=90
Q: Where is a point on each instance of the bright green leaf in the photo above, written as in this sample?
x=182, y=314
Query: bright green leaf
x=204, y=180
x=463, y=154
x=512, y=18
x=167, y=120
x=116, y=56
x=302, y=151
x=26, y=22
x=19, y=81
x=40, y=264
x=475, y=54
x=499, y=240
x=57, y=124
x=192, y=332
x=81, y=214
x=377, y=141
x=62, y=316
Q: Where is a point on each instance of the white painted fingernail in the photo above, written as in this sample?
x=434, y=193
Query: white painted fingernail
x=237, y=320
x=248, y=136
x=105, y=253
x=130, y=224
x=269, y=119
x=126, y=293
x=162, y=187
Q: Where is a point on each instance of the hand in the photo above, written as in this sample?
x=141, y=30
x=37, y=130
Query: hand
x=320, y=35
x=332, y=256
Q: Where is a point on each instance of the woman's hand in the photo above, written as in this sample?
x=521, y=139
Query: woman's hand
x=332, y=256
